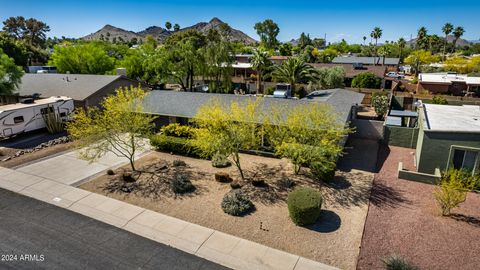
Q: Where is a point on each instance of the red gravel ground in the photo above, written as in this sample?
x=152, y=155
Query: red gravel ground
x=403, y=219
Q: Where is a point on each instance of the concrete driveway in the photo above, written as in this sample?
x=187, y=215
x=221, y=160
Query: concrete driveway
x=69, y=169
x=55, y=238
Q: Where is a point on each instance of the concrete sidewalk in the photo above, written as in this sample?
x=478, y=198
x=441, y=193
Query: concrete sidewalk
x=212, y=245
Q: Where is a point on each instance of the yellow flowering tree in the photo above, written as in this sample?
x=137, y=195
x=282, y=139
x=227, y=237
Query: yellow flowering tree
x=228, y=128
x=118, y=127
x=307, y=134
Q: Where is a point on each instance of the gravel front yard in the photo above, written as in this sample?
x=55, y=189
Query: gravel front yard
x=334, y=239
x=403, y=219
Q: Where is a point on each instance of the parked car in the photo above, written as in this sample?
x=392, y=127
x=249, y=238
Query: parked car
x=395, y=75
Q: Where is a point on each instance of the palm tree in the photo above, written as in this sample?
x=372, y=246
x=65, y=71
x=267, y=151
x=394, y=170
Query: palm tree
x=401, y=45
x=294, y=70
x=421, y=35
x=376, y=34
x=446, y=29
x=457, y=33
x=260, y=63
x=364, y=38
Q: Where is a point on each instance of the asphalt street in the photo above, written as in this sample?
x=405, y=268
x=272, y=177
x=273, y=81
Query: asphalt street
x=37, y=235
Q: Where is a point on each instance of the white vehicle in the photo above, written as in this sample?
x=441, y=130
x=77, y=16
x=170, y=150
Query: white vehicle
x=395, y=75
x=28, y=115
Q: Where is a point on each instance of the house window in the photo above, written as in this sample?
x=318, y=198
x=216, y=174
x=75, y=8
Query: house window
x=63, y=114
x=46, y=110
x=465, y=159
x=18, y=119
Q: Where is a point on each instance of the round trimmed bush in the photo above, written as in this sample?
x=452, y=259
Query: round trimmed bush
x=321, y=172
x=304, y=205
x=110, y=172
x=181, y=184
x=236, y=203
x=220, y=161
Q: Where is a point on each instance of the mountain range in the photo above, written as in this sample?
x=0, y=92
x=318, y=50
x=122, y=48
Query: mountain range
x=111, y=33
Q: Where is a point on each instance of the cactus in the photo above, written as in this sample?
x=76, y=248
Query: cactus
x=53, y=122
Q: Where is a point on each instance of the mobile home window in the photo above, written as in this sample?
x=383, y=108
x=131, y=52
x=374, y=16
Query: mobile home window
x=18, y=119
x=465, y=159
x=46, y=110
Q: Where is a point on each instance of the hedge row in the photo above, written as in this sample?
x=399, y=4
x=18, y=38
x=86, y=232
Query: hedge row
x=176, y=145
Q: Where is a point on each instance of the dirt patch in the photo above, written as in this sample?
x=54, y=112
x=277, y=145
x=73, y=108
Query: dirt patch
x=334, y=240
x=30, y=157
x=404, y=220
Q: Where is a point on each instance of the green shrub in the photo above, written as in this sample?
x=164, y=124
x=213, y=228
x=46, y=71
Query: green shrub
x=286, y=182
x=395, y=262
x=180, y=184
x=175, y=145
x=177, y=130
x=366, y=80
x=270, y=90
x=439, y=99
x=223, y=177
x=322, y=172
x=110, y=172
x=304, y=205
x=220, y=161
x=179, y=163
x=236, y=203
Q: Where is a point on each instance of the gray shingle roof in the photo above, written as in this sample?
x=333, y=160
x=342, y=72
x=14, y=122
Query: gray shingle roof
x=76, y=86
x=186, y=104
x=365, y=60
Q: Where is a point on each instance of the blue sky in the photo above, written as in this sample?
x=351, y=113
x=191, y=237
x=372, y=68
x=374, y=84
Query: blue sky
x=349, y=19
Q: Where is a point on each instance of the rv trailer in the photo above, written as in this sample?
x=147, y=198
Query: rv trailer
x=28, y=114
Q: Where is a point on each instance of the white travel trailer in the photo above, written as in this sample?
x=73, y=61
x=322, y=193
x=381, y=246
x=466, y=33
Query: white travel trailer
x=28, y=115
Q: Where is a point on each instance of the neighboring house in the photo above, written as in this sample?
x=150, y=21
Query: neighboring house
x=448, y=83
x=179, y=107
x=85, y=90
x=367, y=61
x=448, y=136
x=352, y=70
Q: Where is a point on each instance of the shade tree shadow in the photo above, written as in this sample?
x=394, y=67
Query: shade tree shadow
x=348, y=189
x=383, y=195
x=153, y=181
x=467, y=219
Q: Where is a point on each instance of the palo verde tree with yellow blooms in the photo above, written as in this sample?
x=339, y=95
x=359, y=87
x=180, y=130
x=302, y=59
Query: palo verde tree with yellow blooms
x=119, y=127
x=309, y=135
x=228, y=128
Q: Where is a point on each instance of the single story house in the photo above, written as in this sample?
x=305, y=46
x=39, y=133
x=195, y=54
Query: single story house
x=447, y=83
x=448, y=136
x=179, y=107
x=85, y=89
x=353, y=70
x=367, y=61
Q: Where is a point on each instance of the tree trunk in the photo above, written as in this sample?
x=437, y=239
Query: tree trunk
x=236, y=160
x=259, y=81
x=445, y=47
